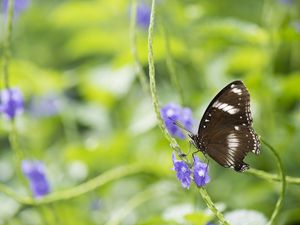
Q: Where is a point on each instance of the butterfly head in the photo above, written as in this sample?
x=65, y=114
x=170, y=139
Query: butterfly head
x=197, y=142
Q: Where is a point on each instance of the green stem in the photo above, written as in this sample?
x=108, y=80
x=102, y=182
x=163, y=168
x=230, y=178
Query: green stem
x=273, y=177
x=7, y=43
x=18, y=153
x=140, y=71
x=279, y=202
x=171, y=66
x=68, y=120
x=212, y=207
x=153, y=91
x=76, y=191
x=172, y=141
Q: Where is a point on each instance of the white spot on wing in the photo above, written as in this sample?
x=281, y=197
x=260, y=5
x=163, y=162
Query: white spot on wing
x=236, y=128
x=237, y=91
x=233, y=111
x=228, y=107
x=225, y=107
x=233, y=143
x=222, y=105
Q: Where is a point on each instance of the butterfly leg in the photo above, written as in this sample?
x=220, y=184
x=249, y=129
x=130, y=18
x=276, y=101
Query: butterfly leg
x=186, y=154
x=206, y=159
x=207, y=164
x=193, y=154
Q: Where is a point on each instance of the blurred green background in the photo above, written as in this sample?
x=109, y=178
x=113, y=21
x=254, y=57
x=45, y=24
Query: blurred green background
x=78, y=54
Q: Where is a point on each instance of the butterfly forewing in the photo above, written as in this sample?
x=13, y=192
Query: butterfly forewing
x=225, y=131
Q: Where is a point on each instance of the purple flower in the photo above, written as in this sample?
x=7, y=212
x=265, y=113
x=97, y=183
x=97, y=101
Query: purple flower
x=171, y=113
x=143, y=13
x=35, y=172
x=44, y=106
x=95, y=204
x=19, y=6
x=201, y=176
x=296, y=26
x=286, y=2
x=183, y=172
x=11, y=102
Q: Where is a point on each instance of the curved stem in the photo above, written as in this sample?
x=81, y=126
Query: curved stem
x=7, y=43
x=153, y=91
x=212, y=207
x=172, y=141
x=283, y=183
x=273, y=177
x=76, y=191
x=140, y=72
x=18, y=154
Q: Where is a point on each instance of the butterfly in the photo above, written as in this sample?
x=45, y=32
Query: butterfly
x=225, y=132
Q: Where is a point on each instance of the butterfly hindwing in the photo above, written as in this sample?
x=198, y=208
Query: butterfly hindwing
x=229, y=147
x=225, y=131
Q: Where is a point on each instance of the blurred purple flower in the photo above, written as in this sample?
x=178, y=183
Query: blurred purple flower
x=143, y=13
x=183, y=172
x=171, y=113
x=201, y=176
x=19, y=6
x=286, y=2
x=296, y=26
x=44, y=106
x=35, y=172
x=11, y=102
x=95, y=204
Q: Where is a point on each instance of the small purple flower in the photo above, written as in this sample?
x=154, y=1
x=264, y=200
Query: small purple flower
x=44, y=106
x=183, y=172
x=35, y=172
x=201, y=176
x=286, y=2
x=143, y=13
x=19, y=6
x=11, y=102
x=296, y=26
x=95, y=204
x=171, y=113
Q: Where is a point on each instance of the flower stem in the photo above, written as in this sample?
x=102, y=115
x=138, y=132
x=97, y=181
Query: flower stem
x=153, y=91
x=172, y=141
x=273, y=177
x=140, y=72
x=78, y=190
x=212, y=207
x=18, y=153
x=283, y=183
x=7, y=43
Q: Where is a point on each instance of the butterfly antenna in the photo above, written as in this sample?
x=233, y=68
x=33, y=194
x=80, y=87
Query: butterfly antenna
x=180, y=125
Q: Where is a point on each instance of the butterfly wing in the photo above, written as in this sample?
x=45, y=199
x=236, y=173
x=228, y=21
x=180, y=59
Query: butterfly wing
x=226, y=130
